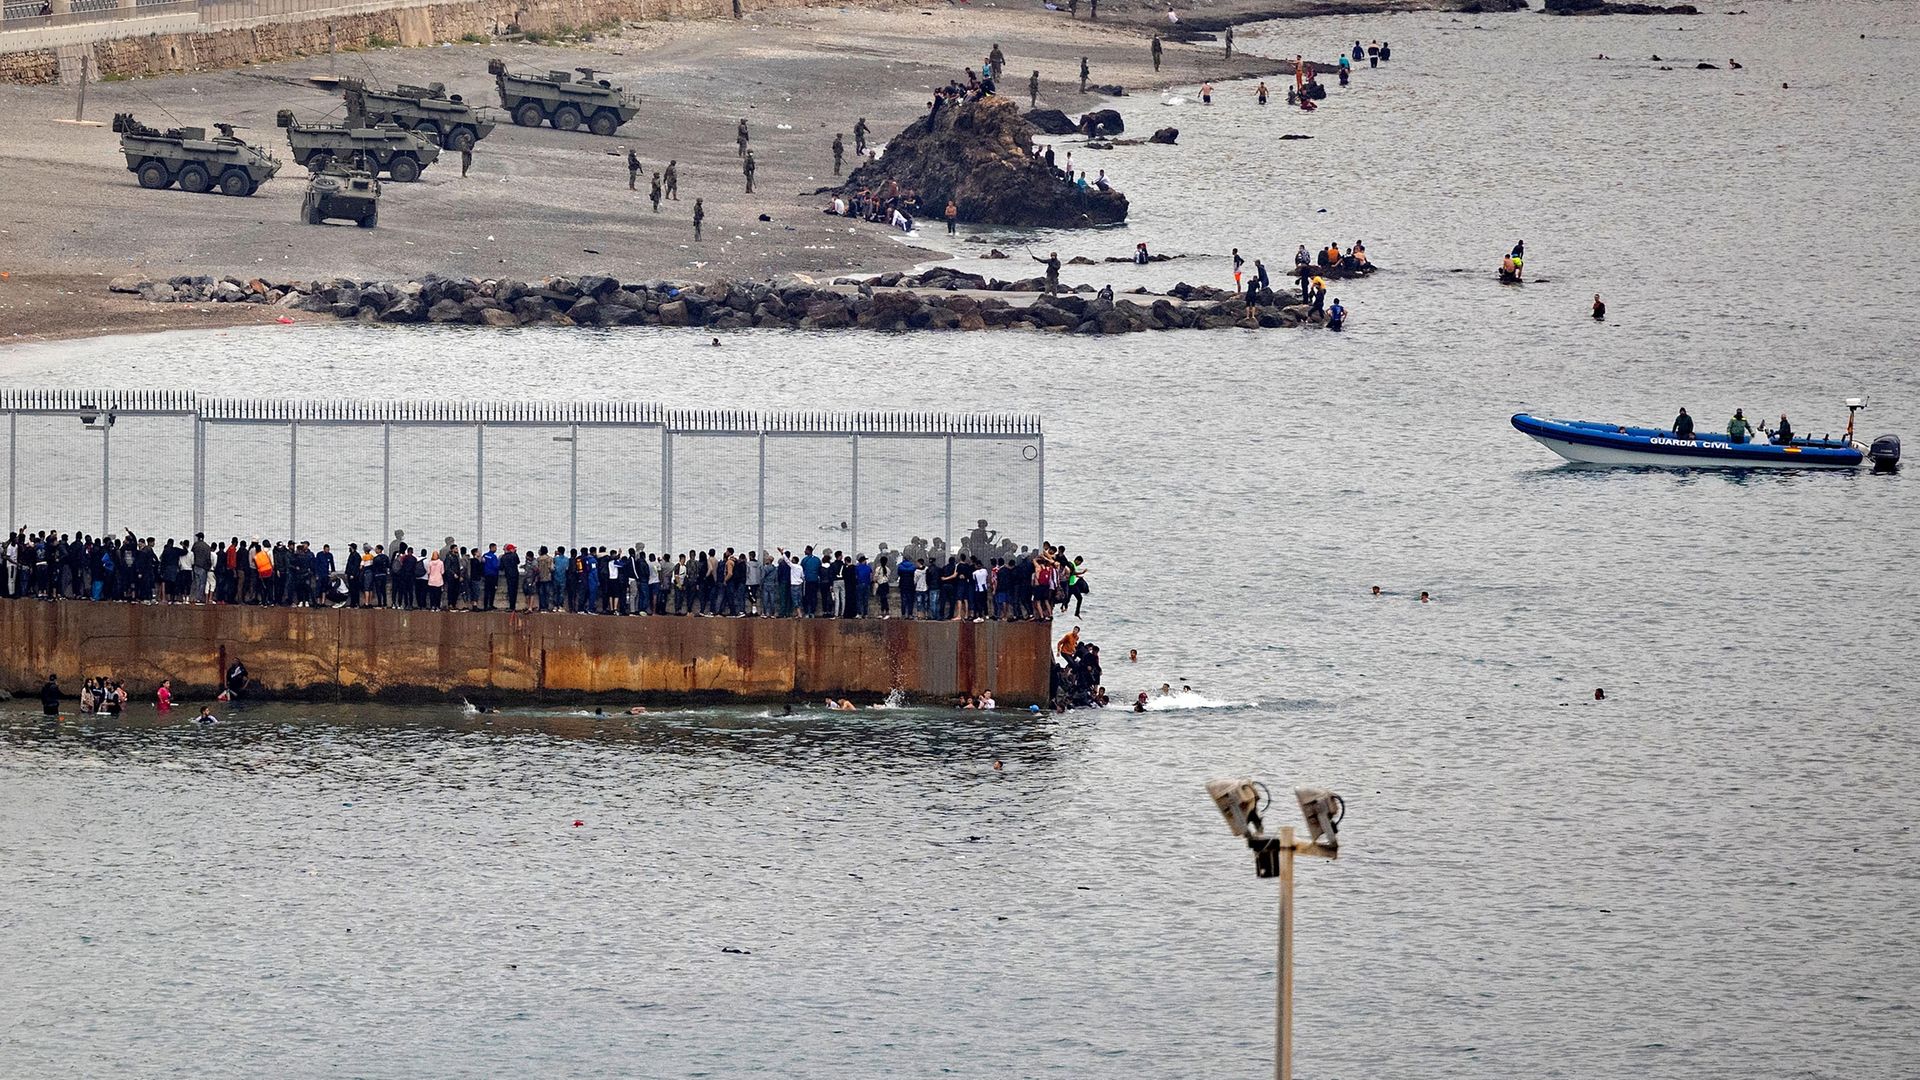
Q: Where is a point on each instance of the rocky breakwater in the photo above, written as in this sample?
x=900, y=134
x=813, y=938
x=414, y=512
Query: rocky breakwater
x=888, y=302
x=980, y=155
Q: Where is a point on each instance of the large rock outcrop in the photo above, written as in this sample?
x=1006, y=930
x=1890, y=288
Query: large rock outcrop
x=980, y=155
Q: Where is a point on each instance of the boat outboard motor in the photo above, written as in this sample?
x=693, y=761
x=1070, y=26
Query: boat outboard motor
x=1885, y=454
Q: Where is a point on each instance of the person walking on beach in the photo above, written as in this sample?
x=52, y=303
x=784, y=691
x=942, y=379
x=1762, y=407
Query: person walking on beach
x=1156, y=52
x=699, y=215
x=839, y=152
x=953, y=216
x=1206, y=93
x=673, y=181
x=746, y=167
x=1229, y=43
x=741, y=138
x=656, y=192
x=1033, y=89
x=1085, y=74
x=860, y=136
x=1053, y=271
x=633, y=170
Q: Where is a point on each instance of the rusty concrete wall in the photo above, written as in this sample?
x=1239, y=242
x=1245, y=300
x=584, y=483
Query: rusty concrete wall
x=279, y=37
x=347, y=653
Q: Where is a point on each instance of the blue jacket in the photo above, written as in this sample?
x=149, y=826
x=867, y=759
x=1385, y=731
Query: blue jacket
x=810, y=568
x=490, y=565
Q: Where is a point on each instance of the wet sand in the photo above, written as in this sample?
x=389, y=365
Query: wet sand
x=539, y=202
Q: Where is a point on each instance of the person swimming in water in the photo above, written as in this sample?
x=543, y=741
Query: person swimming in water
x=206, y=716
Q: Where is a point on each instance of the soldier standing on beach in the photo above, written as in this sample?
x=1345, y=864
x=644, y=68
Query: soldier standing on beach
x=746, y=167
x=699, y=215
x=1156, y=52
x=466, y=161
x=860, y=136
x=741, y=139
x=999, y=60
x=1085, y=73
x=656, y=193
x=633, y=170
x=1033, y=89
x=839, y=152
x=673, y=180
x=1229, y=42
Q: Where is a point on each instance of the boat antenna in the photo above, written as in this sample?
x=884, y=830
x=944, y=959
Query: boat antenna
x=1854, y=405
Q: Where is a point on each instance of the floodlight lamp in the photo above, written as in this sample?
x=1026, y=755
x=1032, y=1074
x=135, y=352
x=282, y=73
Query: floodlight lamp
x=1240, y=801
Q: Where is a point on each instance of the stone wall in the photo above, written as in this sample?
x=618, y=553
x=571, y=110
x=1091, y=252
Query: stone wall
x=280, y=37
x=334, y=654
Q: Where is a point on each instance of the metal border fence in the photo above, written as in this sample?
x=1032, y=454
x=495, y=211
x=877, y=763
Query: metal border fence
x=99, y=410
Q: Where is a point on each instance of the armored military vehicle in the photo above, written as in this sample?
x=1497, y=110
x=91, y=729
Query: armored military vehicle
x=564, y=101
x=387, y=148
x=225, y=163
x=342, y=190
x=444, y=120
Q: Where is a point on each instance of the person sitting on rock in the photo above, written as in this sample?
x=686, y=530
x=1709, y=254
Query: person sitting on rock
x=1101, y=181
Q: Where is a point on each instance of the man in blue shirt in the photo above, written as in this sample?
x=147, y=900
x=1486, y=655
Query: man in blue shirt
x=490, y=574
x=862, y=586
x=810, y=581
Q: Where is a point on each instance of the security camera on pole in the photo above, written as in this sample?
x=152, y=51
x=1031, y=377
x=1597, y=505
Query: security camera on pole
x=1242, y=803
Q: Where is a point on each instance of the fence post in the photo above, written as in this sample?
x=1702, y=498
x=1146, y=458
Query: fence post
x=199, y=475
x=106, y=473
x=480, y=484
x=1040, y=457
x=666, y=488
x=386, y=481
x=573, y=486
x=949, y=533
x=13, y=468
x=853, y=535
x=762, y=491
x=293, y=478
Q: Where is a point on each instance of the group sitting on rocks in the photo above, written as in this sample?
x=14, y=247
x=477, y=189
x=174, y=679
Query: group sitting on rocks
x=889, y=206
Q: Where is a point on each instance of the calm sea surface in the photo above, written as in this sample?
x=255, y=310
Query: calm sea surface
x=1713, y=873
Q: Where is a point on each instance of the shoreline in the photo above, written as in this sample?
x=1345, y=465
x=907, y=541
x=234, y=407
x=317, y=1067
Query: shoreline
x=541, y=203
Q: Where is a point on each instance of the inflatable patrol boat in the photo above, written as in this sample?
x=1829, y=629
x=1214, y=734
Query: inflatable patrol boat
x=1590, y=442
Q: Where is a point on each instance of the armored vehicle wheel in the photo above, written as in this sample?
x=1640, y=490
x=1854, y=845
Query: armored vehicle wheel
x=310, y=210
x=462, y=139
x=194, y=178
x=404, y=168
x=604, y=122
x=372, y=219
x=566, y=118
x=429, y=130
x=528, y=115
x=318, y=161
x=236, y=182
x=154, y=175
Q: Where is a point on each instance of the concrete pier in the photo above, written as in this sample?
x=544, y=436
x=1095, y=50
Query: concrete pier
x=350, y=654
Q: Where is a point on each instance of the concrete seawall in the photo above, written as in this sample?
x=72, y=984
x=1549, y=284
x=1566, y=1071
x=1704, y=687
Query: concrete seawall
x=151, y=48
x=335, y=654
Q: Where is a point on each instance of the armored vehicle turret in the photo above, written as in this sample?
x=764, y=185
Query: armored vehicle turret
x=342, y=190
x=387, y=148
x=444, y=120
x=564, y=101
x=225, y=163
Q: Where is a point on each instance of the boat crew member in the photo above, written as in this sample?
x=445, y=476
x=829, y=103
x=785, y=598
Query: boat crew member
x=1683, y=425
x=1738, y=429
x=1784, y=433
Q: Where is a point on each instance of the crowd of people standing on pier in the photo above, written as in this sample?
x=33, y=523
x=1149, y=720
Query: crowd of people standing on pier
x=985, y=577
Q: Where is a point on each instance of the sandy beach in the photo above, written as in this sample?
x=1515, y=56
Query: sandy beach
x=538, y=202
